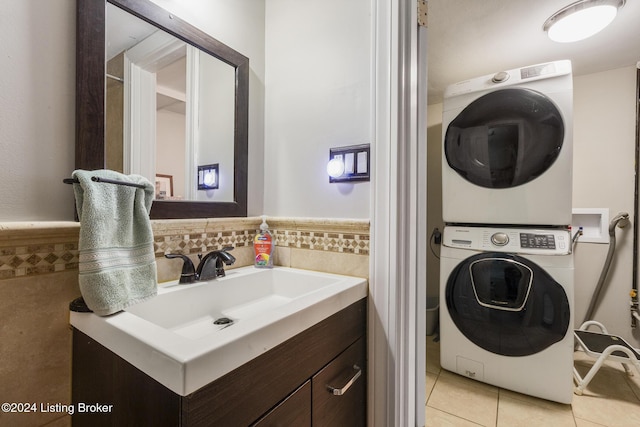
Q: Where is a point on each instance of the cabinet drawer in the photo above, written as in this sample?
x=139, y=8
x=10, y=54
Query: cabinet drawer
x=340, y=389
x=295, y=410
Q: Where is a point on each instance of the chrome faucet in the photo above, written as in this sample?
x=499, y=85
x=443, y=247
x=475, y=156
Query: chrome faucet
x=212, y=264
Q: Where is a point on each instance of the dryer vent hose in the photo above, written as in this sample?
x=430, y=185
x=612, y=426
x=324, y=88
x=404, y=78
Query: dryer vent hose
x=621, y=220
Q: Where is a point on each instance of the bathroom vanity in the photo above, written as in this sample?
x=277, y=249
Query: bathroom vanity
x=315, y=377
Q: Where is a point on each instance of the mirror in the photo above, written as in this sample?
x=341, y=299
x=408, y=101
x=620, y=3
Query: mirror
x=202, y=55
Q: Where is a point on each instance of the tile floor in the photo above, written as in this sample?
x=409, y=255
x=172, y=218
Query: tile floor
x=612, y=399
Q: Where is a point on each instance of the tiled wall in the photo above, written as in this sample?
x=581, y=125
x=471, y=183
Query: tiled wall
x=31, y=249
x=39, y=277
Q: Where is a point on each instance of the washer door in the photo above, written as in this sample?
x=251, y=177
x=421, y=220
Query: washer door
x=505, y=138
x=507, y=304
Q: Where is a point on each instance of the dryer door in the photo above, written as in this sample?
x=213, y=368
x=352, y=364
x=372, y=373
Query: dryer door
x=505, y=138
x=507, y=304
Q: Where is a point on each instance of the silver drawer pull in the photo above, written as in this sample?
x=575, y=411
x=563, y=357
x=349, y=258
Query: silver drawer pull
x=343, y=390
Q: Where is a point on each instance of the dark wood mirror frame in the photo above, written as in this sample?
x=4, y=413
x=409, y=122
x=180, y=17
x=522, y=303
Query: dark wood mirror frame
x=90, y=99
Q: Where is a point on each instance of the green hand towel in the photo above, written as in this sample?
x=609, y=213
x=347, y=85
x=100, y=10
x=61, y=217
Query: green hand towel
x=117, y=266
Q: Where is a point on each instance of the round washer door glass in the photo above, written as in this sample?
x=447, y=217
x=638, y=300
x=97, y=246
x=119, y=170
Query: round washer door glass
x=505, y=138
x=507, y=304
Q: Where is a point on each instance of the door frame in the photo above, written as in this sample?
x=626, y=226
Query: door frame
x=397, y=285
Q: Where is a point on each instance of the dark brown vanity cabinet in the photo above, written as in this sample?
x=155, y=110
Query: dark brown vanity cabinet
x=344, y=404
x=335, y=396
x=295, y=410
x=316, y=378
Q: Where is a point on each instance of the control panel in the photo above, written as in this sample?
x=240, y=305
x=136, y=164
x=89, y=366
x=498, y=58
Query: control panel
x=510, y=78
x=537, y=241
x=516, y=240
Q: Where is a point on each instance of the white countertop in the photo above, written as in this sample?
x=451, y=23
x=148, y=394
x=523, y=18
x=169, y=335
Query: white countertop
x=185, y=359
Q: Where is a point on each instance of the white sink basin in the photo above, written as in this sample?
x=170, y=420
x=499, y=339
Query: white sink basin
x=191, y=310
x=173, y=338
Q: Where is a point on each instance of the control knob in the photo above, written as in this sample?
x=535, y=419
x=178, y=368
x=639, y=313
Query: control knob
x=500, y=239
x=500, y=77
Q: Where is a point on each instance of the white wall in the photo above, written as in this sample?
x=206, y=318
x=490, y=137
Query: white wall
x=603, y=177
x=216, y=126
x=318, y=96
x=434, y=195
x=170, y=148
x=37, y=109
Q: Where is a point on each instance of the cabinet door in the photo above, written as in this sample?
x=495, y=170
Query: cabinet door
x=295, y=410
x=340, y=389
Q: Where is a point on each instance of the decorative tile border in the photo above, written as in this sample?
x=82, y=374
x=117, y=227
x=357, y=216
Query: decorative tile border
x=332, y=235
x=322, y=241
x=201, y=242
x=202, y=235
x=28, y=249
x=38, y=259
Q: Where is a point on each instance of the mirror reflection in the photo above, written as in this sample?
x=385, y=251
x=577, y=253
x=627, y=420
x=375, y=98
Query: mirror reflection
x=169, y=109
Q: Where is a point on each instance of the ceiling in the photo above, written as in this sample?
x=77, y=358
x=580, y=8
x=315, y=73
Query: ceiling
x=124, y=30
x=472, y=38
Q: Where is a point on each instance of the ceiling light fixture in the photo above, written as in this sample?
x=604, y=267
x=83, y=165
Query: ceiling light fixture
x=581, y=19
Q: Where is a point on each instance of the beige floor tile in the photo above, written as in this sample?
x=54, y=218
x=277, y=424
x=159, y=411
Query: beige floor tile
x=433, y=356
x=584, y=423
x=531, y=400
x=431, y=382
x=581, y=358
x=633, y=381
x=609, y=399
x=527, y=412
x=437, y=418
x=468, y=399
x=612, y=412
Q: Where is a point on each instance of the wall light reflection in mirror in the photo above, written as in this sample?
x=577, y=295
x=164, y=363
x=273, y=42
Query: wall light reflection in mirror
x=208, y=177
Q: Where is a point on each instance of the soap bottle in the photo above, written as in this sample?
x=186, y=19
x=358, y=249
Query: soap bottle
x=263, y=246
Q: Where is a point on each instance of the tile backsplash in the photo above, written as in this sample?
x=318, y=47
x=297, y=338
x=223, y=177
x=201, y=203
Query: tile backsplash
x=31, y=249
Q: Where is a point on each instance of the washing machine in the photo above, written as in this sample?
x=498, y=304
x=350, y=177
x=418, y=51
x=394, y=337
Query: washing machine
x=506, y=308
x=507, y=153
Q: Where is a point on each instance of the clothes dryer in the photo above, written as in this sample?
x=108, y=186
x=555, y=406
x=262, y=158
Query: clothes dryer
x=507, y=153
x=506, y=308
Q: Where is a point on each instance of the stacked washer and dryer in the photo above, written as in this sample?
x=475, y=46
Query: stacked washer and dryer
x=506, y=285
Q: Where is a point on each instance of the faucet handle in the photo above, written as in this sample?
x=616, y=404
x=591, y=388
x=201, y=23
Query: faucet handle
x=188, y=274
x=225, y=249
x=225, y=256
